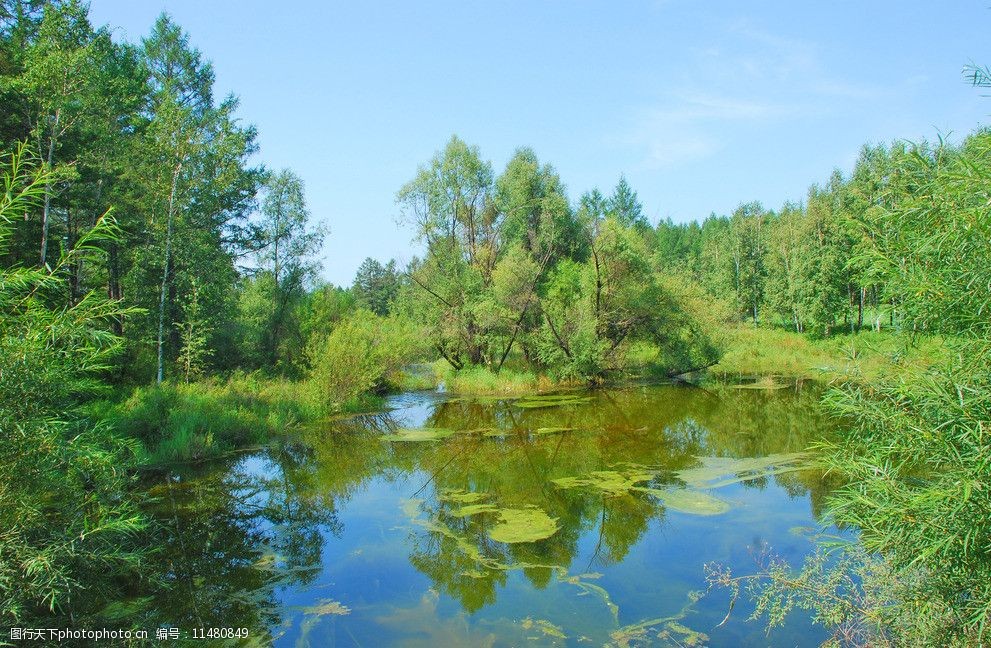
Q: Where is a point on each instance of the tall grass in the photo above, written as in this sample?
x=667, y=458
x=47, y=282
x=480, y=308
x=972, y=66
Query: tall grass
x=855, y=357
x=185, y=422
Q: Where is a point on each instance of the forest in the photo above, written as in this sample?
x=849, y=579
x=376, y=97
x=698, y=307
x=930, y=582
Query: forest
x=161, y=302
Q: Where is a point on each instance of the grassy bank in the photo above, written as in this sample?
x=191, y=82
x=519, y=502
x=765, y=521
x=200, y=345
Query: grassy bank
x=178, y=422
x=479, y=381
x=858, y=357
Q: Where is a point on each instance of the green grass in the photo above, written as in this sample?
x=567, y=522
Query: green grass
x=482, y=381
x=187, y=422
x=859, y=357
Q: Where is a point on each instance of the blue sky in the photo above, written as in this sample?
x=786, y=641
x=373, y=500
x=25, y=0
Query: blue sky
x=702, y=105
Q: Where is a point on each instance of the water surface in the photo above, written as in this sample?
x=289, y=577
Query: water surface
x=351, y=535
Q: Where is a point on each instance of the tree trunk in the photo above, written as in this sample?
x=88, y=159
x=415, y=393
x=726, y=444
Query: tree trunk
x=860, y=308
x=46, y=210
x=165, y=275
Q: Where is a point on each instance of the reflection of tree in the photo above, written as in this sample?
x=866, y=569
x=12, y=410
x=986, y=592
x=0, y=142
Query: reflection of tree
x=663, y=428
x=230, y=534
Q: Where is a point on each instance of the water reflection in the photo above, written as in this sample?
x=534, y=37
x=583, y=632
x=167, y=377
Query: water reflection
x=340, y=536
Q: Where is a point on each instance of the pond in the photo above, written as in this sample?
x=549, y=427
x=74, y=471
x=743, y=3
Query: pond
x=583, y=518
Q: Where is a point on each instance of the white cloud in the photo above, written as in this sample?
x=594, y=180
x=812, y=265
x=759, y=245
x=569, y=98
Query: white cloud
x=684, y=128
x=747, y=77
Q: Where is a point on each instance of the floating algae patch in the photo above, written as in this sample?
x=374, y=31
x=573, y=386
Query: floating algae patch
x=412, y=509
x=689, y=501
x=615, y=483
x=326, y=607
x=514, y=525
x=314, y=613
x=581, y=581
x=552, y=400
x=474, y=509
x=716, y=472
x=418, y=434
x=667, y=631
x=610, y=482
x=663, y=631
x=458, y=496
x=523, y=525
x=543, y=626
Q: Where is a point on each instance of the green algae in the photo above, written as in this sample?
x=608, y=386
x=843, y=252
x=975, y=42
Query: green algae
x=325, y=607
x=458, y=496
x=669, y=630
x=551, y=400
x=591, y=589
x=610, y=482
x=684, y=500
x=418, y=434
x=617, y=483
x=474, y=509
x=523, y=525
x=690, y=497
x=716, y=472
x=544, y=626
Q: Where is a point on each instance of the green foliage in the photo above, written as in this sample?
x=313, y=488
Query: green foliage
x=914, y=452
x=511, y=268
x=363, y=353
x=67, y=522
x=193, y=335
x=274, y=301
x=483, y=381
x=376, y=286
x=181, y=422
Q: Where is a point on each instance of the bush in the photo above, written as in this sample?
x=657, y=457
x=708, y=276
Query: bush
x=364, y=353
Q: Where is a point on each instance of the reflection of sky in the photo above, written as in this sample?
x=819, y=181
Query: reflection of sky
x=368, y=570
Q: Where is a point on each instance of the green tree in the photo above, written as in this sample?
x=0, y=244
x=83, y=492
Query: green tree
x=787, y=247
x=198, y=193
x=287, y=245
x=450, y=203
x=625, y=206
x=376, y=286
x=193, y=336
x=748, y=240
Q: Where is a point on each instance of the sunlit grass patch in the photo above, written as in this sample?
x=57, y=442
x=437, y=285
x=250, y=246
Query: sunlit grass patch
x=178, y=422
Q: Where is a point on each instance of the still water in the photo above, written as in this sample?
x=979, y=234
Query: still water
x=579, y=519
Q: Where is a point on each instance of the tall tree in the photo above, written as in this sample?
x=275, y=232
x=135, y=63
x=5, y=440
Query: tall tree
x=198, y=185
x=62, y=87
x=450, y=203
x=748, y=235
x=288, y=244
x=625, y=206
x=376, y=286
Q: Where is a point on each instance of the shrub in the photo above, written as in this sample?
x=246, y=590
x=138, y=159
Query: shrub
x=363, y=353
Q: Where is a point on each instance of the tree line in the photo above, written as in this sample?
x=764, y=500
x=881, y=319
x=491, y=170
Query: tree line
x=135, y=132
